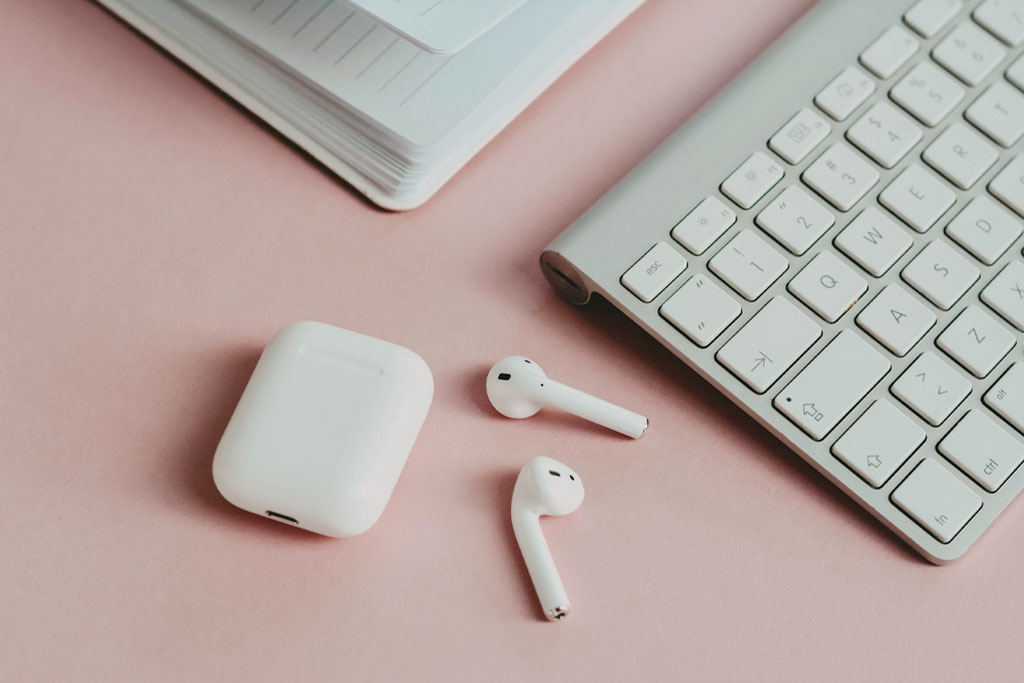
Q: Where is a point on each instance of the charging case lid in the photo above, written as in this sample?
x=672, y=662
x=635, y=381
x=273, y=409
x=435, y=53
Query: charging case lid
x=323, y=429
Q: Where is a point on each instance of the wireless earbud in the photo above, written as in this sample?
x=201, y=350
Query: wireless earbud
x=518, y=388
x=544, y=487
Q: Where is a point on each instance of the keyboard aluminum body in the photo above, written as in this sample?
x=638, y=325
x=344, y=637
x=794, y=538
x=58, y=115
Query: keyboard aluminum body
x=592, y=255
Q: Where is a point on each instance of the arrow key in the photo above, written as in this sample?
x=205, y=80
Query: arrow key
x=878, y=443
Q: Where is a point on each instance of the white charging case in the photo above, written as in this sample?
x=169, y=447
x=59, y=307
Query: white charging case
x=323, y=429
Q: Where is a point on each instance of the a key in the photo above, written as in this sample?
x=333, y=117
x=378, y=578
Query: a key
x=701, y=310
x=928, y=17
x=840, y=176
x=748, y=264
x=706, y=223
x=873, y=241
x=1004, y=19
x=799, y=136
x=828, y=286
x=769, y=344
x=752, y=180
x=928, y=93
x=931, y=388
x=1006, y=397
x=937, y=500
x=918, y=197
x=896, y=319
x=976, y=341
x=961, y=155
x=984, y=229
x=889, y=52
x=940, y=274
x=1015, y=74
x=1005, y=294
x=795, y=219
x=884, y=134
x=969, y=53
x=878, y=443
x=832, y=384
x=1009, y=185
x=983, y=450
x=845, y=93
x=649, y=276
x=999, y=113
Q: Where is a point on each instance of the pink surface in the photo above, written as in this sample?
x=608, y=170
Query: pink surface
x=154, y=237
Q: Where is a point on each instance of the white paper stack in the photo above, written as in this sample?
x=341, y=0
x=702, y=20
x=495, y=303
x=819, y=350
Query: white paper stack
x=392, y=95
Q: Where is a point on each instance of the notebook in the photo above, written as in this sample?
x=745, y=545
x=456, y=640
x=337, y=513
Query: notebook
x=394, y=96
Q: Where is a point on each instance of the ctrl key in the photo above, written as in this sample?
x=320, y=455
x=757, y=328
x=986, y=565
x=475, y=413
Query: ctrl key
x=937, y=500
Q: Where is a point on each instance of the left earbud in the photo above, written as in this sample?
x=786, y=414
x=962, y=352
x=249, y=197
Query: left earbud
x=518, y=388
x=544, y=487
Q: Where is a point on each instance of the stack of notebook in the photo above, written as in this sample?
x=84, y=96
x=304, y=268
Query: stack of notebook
x=392, y=95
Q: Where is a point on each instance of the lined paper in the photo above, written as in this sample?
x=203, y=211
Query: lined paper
x=417, y=95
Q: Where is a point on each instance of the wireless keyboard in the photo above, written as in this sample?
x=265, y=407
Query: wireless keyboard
x=834, y=242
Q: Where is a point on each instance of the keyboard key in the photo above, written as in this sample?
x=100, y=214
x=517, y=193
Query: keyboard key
x=931, y=388
x=969, y=53
x=769, y=344
x=940, y=274
x=1006, y=397
x=999, y=113
x=828, y=286
x=840, y=176
x=928, y=93
x=1016, y=72
x=1005, y=294
x=795, y=219
x=884, y=134
x=918, y=197
x=701, y=310
x=961, y=155
x=928, y=17
x=896, y=319
x=873, y=241
x=748, y=264
x=984, y=229
x=799, y=136
x=832, y=384
x=878, y=443
x=649, y=276
x=752, y=180
x=1009, y=185
x=937, y=500
x=1004, y=19
x=976, y=341
x=889, y=52
x=706, y=223
x=845, y=93
x=983, y=450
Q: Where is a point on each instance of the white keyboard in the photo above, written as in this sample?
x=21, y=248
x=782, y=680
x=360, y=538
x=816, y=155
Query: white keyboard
x=835, y=242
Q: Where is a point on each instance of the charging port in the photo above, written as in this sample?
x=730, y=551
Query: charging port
x=283, y=518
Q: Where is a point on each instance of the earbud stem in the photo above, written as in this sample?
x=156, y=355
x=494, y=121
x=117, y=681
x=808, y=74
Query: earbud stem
x=592, y=408
x=541, y=565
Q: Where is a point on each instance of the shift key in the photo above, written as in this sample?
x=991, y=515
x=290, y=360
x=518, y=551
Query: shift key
x=832, y=384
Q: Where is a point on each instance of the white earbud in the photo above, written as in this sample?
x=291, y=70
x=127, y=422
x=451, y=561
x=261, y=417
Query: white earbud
x=544, y=487
x=518, y=388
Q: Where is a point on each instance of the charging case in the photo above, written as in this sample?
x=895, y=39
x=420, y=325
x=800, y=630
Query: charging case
x=323, y=429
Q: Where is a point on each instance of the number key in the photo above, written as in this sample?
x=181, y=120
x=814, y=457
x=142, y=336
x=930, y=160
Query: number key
x=840, y=176
x=795, y=219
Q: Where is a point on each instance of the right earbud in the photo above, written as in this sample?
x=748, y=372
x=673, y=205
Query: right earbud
x=518, y=388
x=544, y=487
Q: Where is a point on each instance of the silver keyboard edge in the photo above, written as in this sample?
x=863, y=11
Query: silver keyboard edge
x=591, y=254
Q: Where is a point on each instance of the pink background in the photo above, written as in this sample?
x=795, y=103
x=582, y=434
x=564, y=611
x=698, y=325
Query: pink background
x=154, y=237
